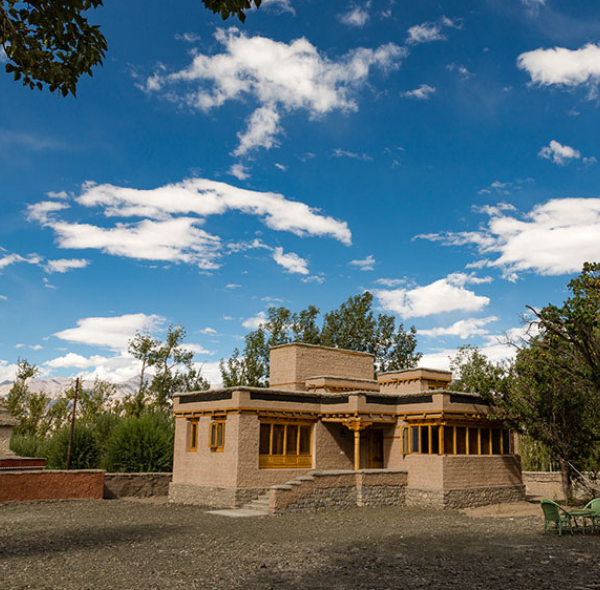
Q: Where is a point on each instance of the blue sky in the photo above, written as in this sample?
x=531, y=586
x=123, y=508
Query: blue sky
x=442, y=155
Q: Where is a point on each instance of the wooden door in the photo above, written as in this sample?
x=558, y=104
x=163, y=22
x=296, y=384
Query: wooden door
x=375, y=448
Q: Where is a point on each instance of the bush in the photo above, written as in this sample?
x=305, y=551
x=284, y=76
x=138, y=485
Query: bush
x=85, y=453
x=27, y=445
x=143, y=443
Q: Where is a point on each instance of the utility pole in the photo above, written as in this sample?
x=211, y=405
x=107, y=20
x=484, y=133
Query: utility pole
x=72, y=423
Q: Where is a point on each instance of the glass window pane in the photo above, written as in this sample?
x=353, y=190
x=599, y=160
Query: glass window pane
x=278, y=434
x=448, y=440
x=461, y=440
x=424, y=439
x=265, y=438
x=292, y=440
x=435, y=440
x=305, y=440
x=213, y=435
x=485, y=441
x=220, y=428
x=405, y=447
x=414, y=432
x=496, y=441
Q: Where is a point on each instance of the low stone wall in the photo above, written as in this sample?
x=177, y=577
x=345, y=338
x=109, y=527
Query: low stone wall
x=30, y=486
x=338, y=490
x=548, y=484
x=465, y=497
x=213, y=497
x=136, y=485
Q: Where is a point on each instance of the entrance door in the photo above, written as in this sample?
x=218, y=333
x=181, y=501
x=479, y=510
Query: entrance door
x=375, y=448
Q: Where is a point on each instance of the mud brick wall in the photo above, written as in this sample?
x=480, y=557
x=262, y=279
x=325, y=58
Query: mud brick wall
x=136, y=485
x=30, y=486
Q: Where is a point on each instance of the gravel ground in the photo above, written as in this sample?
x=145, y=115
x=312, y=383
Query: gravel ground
x=120, y=544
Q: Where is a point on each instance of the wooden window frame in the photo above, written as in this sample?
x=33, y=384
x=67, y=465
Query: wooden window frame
x=193, y=436
x=285, y=460
x=215, y=428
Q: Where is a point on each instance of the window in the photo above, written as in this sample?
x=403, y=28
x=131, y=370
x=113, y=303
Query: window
x=216, y=440
x=193, y=436
x=285, y=445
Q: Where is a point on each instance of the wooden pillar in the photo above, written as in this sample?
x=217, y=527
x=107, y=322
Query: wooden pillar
x=356, y=449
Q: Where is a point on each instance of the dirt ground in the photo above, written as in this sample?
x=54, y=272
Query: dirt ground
x=121, y=544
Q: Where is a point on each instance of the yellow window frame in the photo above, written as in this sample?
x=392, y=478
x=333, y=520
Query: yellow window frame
x=216, y=436
x=193, y=436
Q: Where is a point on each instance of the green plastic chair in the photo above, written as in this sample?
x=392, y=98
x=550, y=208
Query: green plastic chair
x=594, y=506
x=556, y=515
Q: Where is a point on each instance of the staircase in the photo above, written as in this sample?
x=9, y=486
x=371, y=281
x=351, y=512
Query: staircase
x=258, y=507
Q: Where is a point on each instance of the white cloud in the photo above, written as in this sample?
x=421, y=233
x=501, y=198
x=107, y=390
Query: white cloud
x=281, y=77
x=3, y=56
x=447, y=294
x=313, y=279
x=233, y=286
x=563, y=67
x=111, y=332
x=431, y=31
x=9, y=259
x=292, y=263
x=3, y=298
x=239, y=171
x=8, y=372
x=356, y=16
x=196, y=348
x=339, y=153
x=423, y=92
x=367, y=263
x=255, y=322
x=463, y=72
x=280, y=5
x=558, y=153
x=63, y=265
x=209, y=331
x=390, y=282
x=554, y=238
x=462, y=328
x=188, y=37
x=281, y=167
x=170, y=233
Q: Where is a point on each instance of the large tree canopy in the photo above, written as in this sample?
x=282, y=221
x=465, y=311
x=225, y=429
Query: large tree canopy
x=50, y=43
x=352, y=326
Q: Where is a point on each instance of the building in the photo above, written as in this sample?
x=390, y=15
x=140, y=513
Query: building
x=327, y=433
x=10, y=461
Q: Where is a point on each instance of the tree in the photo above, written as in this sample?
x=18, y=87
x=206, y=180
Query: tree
x=172, y=367
x=50, y=43
x=352, y=326
x=475, y=373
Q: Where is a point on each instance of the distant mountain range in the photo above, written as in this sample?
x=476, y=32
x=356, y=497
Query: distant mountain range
x=55, y=386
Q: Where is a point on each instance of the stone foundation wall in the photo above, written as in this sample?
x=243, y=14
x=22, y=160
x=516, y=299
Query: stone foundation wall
x=136, y=485
x=212, y=497
x=30, y=486
x=338, y=490
x=465, y=497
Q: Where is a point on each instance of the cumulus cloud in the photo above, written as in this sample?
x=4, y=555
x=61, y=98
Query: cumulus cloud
x=9, y=259
x=280, y=77
x=313, y=279
x=291, y=262
x=462, y=71
x=63, y=265
x=367, y=263
x=3, y=298
x=423, y=92
x=255, y=322
x=558, y=153
x=447, y=294
x=563, y=67
x=171, y=215
x=554, y=238
x=111, y=332
x=239, y=171
x=462, y=328
x=8, y=371
x=431, y=31
x=356, y=16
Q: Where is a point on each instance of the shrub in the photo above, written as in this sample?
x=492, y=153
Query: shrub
x=143, y=443
x=85, y=452
x=27, y=445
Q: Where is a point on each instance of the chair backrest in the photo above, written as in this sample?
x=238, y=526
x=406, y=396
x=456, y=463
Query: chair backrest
x=551, y=510
x=593, y=505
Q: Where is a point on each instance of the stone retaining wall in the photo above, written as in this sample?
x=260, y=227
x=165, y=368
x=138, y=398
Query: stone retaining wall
x=465, y=497
x=338, y=490
x=30, y=486
x=136, y=485
x=214, y=497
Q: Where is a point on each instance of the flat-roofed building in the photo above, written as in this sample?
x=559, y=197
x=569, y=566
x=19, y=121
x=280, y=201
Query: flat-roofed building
x=403, y=437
